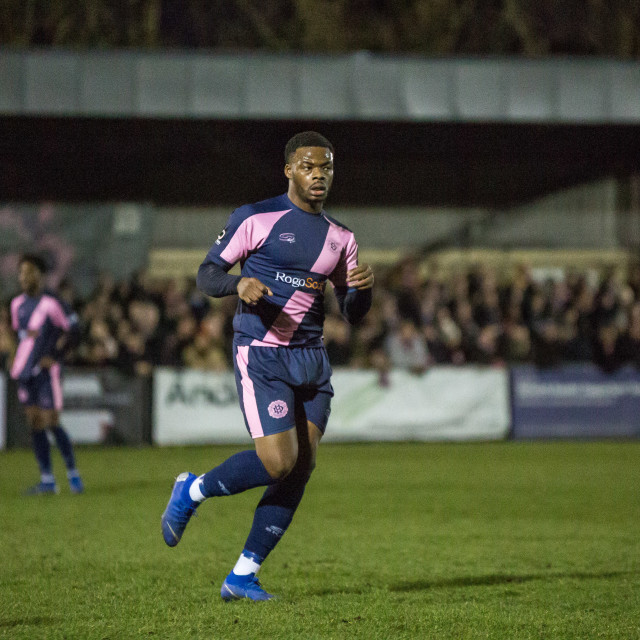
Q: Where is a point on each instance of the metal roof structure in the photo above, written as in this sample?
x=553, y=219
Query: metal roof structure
x=357, y=87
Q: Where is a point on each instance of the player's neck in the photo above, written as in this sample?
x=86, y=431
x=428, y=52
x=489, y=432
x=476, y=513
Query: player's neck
x=309, y=207
x=33, y=292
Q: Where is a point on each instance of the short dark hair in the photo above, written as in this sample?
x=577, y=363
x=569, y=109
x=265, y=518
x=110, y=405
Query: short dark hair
x=34, y=259
x=306, y=139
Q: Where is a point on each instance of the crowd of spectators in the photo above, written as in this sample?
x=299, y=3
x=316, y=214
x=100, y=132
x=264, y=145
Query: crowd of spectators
x=416, y=321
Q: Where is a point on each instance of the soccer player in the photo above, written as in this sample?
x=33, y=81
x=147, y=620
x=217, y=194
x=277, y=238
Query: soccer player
x=288, y=248
x=46, y=328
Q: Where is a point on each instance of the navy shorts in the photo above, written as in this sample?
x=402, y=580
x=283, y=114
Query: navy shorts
x=43, y=390
x=277, y=385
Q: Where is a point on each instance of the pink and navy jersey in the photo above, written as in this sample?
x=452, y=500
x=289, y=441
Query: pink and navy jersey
x=294, y=253
x=39, y=323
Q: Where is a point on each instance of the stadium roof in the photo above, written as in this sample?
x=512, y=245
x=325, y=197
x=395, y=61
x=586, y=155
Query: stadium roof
x=356, y=87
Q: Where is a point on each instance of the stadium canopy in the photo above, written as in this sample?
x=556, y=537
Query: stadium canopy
x=202, y=129
x=358, y=87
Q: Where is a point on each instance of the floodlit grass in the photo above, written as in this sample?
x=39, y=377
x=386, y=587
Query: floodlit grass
x=487, y=540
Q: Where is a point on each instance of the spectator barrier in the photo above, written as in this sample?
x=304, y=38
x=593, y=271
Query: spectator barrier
x=575, y=401
x=182, y=406
x=101, y=406
x=446, y=403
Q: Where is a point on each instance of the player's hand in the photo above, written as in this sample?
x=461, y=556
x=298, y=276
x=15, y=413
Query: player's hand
x=361, y=277
x=46, y=363
x=251, y=290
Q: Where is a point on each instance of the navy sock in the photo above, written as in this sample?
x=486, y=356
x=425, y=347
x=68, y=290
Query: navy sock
x=65, y=446
x=274, y=514
x=238, y=473
x=42, y=450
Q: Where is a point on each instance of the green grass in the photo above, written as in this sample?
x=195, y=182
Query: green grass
x=490, y=540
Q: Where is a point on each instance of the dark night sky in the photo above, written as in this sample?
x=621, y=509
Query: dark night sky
x=205, y=162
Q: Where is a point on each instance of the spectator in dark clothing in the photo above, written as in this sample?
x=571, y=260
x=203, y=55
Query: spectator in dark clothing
x=337, y=341
x=630, y=340
x=463, y=318
x=608, y=351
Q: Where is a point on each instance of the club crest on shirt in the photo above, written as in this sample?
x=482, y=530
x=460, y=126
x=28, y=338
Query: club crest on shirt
x=333, y=246
x=220, y=236
x=278, y=409
x=287, y=237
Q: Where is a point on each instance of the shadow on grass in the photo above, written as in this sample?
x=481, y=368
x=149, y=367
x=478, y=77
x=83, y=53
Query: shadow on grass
x=474, y=581
x=34, y=621
x=501, y=578
x=116, y=488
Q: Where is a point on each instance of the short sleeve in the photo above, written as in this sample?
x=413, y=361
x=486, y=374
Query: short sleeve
x=15, y=303
x=57, y=314
x=232, y=243
x=244, y=233
x=348, y=260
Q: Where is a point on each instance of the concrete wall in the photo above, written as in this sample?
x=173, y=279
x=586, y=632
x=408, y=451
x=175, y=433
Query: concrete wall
x=583, y=217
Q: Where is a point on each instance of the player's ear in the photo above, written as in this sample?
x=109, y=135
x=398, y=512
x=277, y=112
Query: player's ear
x=287, y=171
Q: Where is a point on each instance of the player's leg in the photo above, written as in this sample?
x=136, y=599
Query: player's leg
x=28, y=398
x=51, y=398
x=279, y=502
x=273, y=458
x=310, y=372
x=243, y=470
x=267, y=404
x=272, y=518
x=41, y=449
x=264, y=403
x=65, y=447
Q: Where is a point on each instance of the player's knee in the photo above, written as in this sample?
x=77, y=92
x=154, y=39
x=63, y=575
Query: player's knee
x=35, y=422
x=278, y=464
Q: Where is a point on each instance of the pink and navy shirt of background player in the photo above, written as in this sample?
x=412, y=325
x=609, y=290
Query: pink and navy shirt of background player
x=295, y=253
x=39, y=322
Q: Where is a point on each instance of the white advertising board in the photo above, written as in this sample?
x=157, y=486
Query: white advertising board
x=196, y=407
x=446, y=403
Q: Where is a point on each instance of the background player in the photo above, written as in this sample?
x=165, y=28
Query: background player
x=46, y=327
x=288, y=248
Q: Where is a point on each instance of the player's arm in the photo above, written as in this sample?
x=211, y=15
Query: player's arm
x=63, y=317
x=235, y=242
x=213, y=280
x=360, y=277
x=13, y=311
x=353, y=285
x=354, y=302
x=70, y=339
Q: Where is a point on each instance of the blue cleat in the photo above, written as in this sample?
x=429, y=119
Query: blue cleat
x=179, y=509
x=243, y=587
x=76, y=485
x=42, y=488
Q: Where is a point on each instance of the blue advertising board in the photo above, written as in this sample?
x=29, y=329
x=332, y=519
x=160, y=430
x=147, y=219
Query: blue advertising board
x=575, y=401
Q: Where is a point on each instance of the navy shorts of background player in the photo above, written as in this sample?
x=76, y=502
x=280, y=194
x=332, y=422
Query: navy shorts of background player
x=289, y=251
x=46, y=328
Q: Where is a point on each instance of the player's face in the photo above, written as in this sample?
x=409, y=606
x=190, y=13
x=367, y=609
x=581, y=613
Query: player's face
x=310, y=174
x=29, y=277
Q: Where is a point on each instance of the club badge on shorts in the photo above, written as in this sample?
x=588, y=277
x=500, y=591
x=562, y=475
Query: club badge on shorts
x=278, y=409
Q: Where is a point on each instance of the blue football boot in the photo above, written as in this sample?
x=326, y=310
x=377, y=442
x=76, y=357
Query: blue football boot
x=42, y=488
x=243, y=587
x=76, y=485
x=179, y=509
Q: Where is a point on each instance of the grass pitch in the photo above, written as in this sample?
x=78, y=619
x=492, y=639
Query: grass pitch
x=486, y=540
